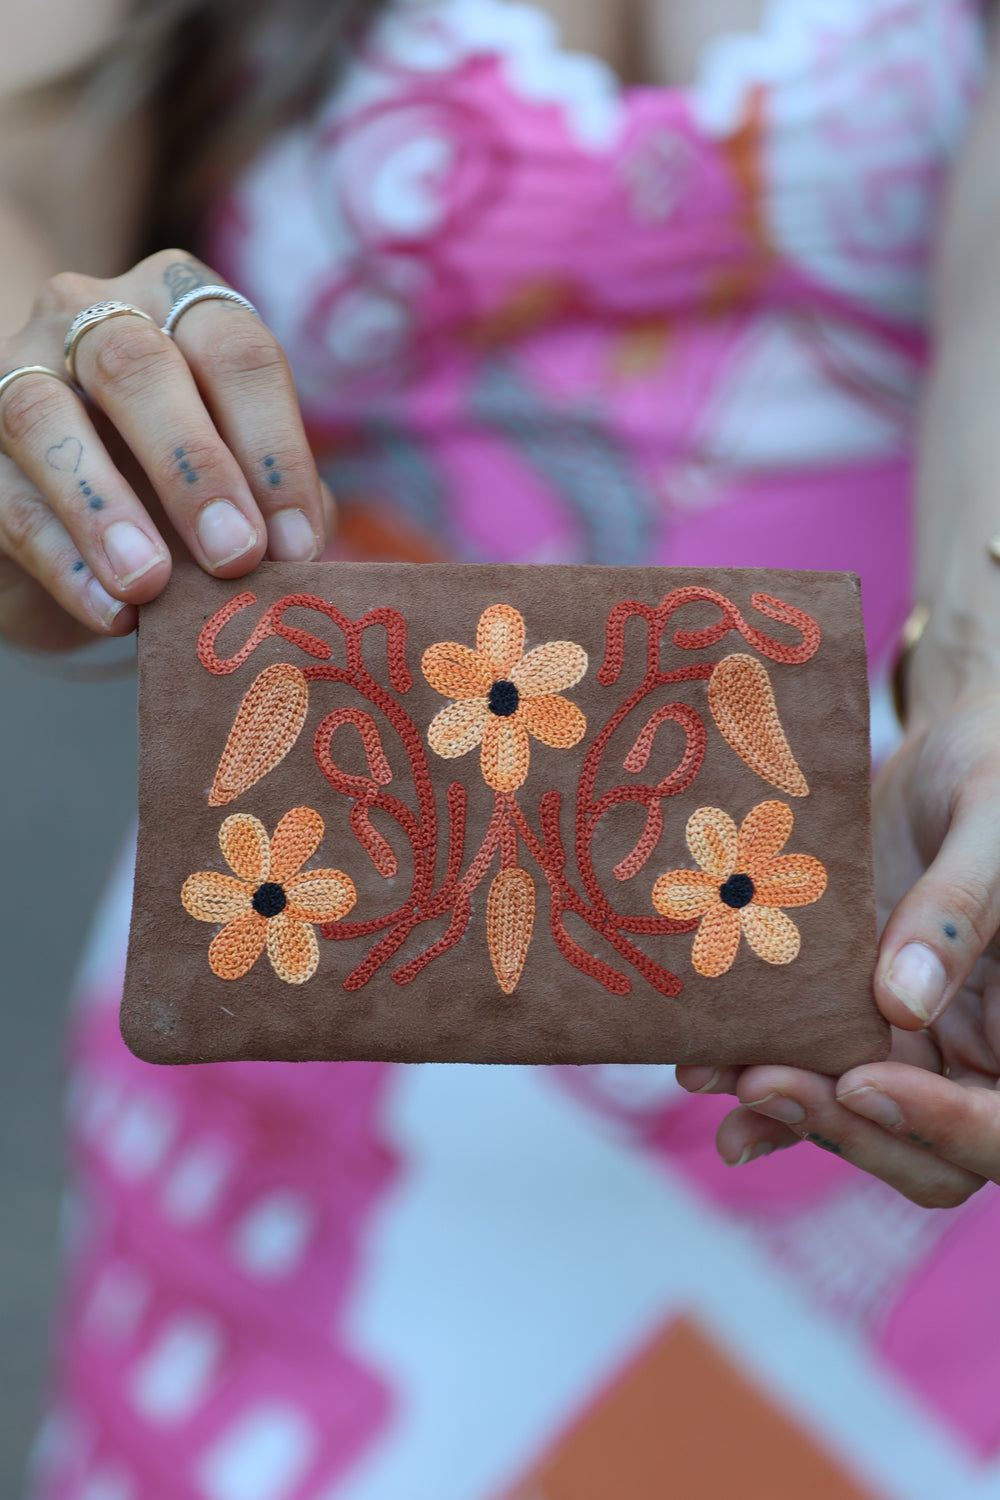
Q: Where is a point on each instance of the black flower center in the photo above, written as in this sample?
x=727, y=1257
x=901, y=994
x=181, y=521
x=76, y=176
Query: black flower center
x=504, y=699
x=269, y=899
x=737, y=891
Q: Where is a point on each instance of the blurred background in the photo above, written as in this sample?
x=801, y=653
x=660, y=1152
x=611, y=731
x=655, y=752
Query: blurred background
x=67, y=799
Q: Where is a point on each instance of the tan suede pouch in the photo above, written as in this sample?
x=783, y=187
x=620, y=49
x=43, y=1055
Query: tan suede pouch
x=504, y=814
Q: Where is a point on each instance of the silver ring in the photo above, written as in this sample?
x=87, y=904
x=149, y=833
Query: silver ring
x=205, y=294
x=12, y=375
x=89, y=318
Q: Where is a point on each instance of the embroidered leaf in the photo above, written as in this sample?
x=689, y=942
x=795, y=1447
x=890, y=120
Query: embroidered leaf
x=742, y=702
x=510, y=920
x=268, y=723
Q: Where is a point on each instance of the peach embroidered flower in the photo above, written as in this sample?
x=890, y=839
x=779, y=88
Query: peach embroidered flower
x=269, y=900
x=503, y=695
x=742, y=883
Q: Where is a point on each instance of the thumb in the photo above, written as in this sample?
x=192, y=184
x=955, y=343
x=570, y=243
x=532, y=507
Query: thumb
x=941, y=926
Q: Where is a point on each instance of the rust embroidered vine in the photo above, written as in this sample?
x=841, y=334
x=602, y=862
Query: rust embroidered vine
x=502, y=694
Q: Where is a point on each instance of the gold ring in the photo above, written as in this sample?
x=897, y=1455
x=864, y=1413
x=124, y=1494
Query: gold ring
x=89, y=318
x=12, y=375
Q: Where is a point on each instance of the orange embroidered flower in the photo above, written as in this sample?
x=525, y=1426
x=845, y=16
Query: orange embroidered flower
x=503, y=695
x=742, y=882
x=272, y=902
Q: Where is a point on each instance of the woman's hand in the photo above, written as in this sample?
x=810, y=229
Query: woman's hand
x=927, y=1121
x=203, y=430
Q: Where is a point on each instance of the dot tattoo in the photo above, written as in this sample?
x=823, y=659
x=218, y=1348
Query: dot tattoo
x=950, y=930
x=184, y=464
x=273, y=473
x=79, y=565
x=96, y=503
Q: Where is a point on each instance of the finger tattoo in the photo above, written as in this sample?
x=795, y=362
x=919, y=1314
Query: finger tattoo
x=184, y=464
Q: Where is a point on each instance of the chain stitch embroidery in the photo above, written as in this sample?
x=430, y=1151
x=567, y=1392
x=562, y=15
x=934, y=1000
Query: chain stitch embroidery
x=269, y=900
x=498, y=683
x=742, y=883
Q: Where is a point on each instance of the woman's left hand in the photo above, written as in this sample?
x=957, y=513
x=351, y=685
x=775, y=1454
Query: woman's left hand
x=927, y=1121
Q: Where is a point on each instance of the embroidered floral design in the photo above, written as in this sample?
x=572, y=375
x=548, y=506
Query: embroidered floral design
x=269, y=900
x=446, y=862
x=502, y=695
x=742, y=883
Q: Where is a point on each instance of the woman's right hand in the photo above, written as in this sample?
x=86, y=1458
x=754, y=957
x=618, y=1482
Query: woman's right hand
x=200, y=435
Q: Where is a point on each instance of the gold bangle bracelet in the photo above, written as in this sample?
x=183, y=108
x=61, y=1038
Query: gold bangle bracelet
x=909, y=638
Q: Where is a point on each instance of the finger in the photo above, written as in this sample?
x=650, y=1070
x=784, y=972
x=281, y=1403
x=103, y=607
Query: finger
x=51, y=439
x=141, y=381
x=34, y=539
x=246, y=384
x=807, y=1103
x=958, y=1122
x=708, y=1080
x=941, y=926
x=745, y=1136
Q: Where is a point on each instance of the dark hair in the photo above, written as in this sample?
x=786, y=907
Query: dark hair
x=220, y=77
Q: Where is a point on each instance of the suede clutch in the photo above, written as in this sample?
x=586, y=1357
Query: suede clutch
x=529, y=814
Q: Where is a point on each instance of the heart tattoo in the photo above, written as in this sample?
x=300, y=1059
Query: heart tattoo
x=65, y=457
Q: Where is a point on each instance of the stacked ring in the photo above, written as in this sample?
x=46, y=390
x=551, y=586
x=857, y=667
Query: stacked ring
x=205, y=294
x=12, y=375
x=89, y=318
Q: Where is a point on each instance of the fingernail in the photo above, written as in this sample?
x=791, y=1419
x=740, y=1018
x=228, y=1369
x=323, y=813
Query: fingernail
x=917, y=977
x=290, y=537
x=224, y=532
x=752, y=1153
x=778, y=1107
x=104, y=606
x=131, y=552
x=873, y=1105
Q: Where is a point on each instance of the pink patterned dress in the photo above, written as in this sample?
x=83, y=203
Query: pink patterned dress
x=535, y=316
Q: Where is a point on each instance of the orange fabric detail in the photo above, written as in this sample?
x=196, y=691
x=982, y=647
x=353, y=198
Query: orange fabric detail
x=505, y=754
x=320, y=895
x=549, y=669
x=554, y=720
x=268, y=868
x=510, y=921
x=682, y=1422
x=773, y=881
x=456, y=671
x=246, y=847
x=789, y=880
x=234, y=951
x=712, y=838
x=457, y=729
x=292, y=948
x=742, y=702
x=500, y=638
x=267, y=724
x=772, y=936
x=213, y=897
x=296, y=839
x=717, y=940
